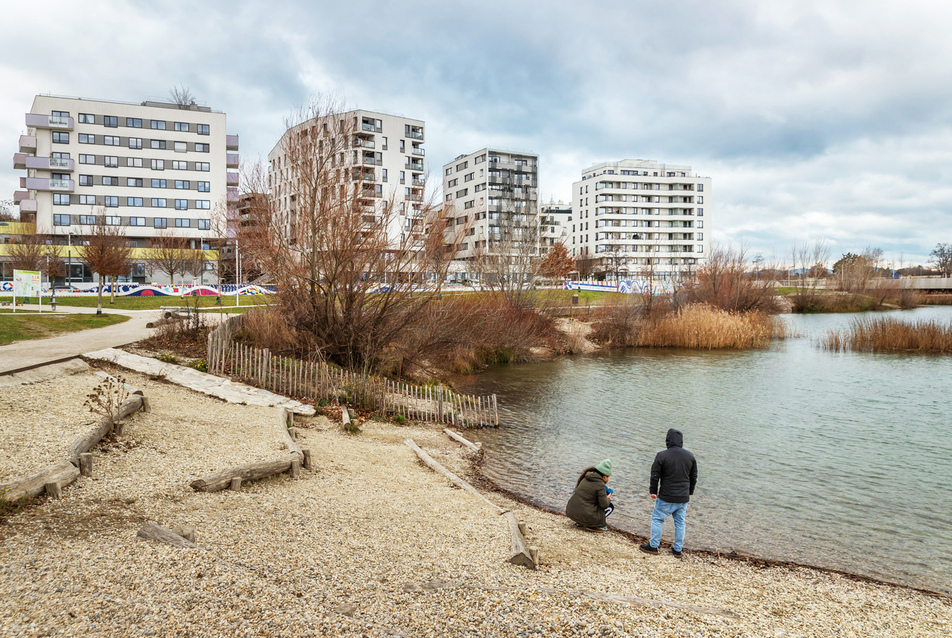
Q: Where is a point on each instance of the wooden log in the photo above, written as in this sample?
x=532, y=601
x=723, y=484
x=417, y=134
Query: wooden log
x=85, y=442
x=186, y=532
x=307, y=459
x=289, y=443
x=475, y=447
x=248, y=472
x=344, y=415
x=534, y=554
x=152, y=532
x=296, y=468
x=86, y=464
x=53, y=490
x=519, y=552
x=294, y=433
x=235, y=485
x=522, y=527
x=439, y=469
x=146, y=406
x=62, y=473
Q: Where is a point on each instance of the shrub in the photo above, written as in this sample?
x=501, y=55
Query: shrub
x=703, y=327
x=400, y=419
x=201, y=365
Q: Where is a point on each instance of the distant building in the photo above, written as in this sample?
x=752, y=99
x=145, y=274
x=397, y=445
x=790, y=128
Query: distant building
x=638, y=217
x=385, y=157
x=494, y=194
x=555, y=219
x=150, y=168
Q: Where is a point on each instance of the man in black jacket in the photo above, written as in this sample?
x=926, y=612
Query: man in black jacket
x=676, y=470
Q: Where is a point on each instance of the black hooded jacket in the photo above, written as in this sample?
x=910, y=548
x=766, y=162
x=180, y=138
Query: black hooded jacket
x=676, y=469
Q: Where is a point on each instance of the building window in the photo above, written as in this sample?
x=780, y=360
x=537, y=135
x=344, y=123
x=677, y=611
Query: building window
x=135, y=182
x=61, y=220
x=203, y=166
x=110, y=161
x=108, y=180
x=137, y=221
x=201, y=129
x=87, y=159
x=449, y=171
x=181, y=204
x=468, y=204
x=181, y=126
x=134, y=162
x=135, y=142
x=157, y=124
x=452, y=183
x=158, y=183
x=158, y=144
x=700, y=212
x=87, y=118
x=700, y=224
x=110, y=120
x=468, y=177
x=181, y=147
x=158, y=165
x=87, y=220
x=113, y=220
x=88, y=200
x=133, y=201
x=206, y=187
x=134, y=122
x=160, y=222
x=158, y=202
x=202, y=148
x=182, y=183
x=700, y=200
x=178, y=165
x=86, y=138
x=85, y=180
x=110, y=201
x=60, y=199
x=204, y=224
x=203, y=204
x=700, y=188
x=182, y=223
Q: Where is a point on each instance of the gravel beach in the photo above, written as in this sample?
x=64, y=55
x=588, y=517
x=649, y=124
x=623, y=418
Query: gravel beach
x=370, y=542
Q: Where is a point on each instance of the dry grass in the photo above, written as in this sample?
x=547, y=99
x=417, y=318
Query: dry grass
x=705, y=328
x=886, y=334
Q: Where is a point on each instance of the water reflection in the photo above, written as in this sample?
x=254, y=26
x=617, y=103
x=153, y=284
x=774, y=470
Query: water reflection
x=839, y=460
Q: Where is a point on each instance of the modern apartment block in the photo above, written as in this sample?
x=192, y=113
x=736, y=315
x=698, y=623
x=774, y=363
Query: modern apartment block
x=150, y=168
x=385, y=158
x=494, y=194
x=635, y=217
x=555, y=219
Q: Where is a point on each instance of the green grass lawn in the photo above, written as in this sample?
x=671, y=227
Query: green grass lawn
x=30, y=325
x=152, y=303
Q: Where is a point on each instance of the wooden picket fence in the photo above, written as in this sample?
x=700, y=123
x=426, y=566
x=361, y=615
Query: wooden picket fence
x=316, y=382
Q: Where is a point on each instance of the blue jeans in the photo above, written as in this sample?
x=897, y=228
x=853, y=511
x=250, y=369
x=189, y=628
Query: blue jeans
x=663, y=510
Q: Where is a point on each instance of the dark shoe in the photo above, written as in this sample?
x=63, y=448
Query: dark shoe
x=676, y=553
x=648, y=549
x=603, y=528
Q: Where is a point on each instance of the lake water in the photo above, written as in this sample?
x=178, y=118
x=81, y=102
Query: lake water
x=837, y=460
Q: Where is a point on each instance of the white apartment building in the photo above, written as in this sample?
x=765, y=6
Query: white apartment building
x=151, y=168
x=385, y=157
x=493, y=193
x=639, y=216
x=555, y=219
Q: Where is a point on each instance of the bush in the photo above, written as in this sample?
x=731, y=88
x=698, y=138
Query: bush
x=703, y=327
x=201, y=365
x=400, y=419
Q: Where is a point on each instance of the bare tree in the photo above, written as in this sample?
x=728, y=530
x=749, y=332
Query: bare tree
x=169, y=254
x=6, y=211
x=508, y=263
x=182, y=96
x=941, y=258
x=855, y=273
x=350, y=263
x=106, y=251
x=808, y=266
x=725, y=281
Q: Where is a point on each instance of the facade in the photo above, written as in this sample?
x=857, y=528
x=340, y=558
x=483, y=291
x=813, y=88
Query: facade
x=555, y=219
x=639, y=217
x=493, y=194
x=151, y=169
x=385, y=157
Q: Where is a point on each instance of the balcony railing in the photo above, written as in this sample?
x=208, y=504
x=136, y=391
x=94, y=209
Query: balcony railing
x=415, y=166
x=231, y=179
x=370, y=127
x=417, y=182
x=28, y=144
x=231, y=142
x=370, y=161
x=45, y=184
x=415, y=134
x=418, y=151
x=363, y=143
x=233, y=195
x=231, y=160
x=34, y=120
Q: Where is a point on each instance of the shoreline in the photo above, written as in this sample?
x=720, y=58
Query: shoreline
x=484, y=482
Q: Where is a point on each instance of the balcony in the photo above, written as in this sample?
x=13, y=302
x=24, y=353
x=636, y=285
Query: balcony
x=415, y=165
x=233, y=195
x=231, y=142
x=28, y=144
x=19, y=196
x=416, y=133
x=370, y=127
x=231, y=160
x=360, y=143
x=416, y=181
x=418, y=151
x=27, y=205
x=231, y=179
x=58, y=122
x=45, y=184
x=22, y=160
x=370, y=161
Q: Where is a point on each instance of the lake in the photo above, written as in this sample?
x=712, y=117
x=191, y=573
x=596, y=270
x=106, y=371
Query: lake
x=830, y=459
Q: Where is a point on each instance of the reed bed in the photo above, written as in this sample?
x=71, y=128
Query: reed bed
x=702, y=327
x=888, y=334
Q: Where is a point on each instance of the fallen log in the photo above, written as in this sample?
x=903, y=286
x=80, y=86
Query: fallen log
x=159, y=534
x=436, y=467
x=85, y=442
x=60, y=474
x=249, y=472
x=286, y=418
x=520, y=554
x=475, y=447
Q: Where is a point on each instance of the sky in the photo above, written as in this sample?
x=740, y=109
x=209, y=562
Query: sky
x=816, y=120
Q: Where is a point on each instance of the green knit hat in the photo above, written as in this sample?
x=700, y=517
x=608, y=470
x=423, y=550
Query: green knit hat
x=605, y=467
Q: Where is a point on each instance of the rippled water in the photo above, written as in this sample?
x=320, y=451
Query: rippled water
x=837, y=460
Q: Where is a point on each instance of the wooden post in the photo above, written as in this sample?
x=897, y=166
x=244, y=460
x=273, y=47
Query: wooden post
x=86, y=464
x=53, y=490
x=295, y=467
x=307, y=459
x=495, y=411
x=534, y=554
x=235, y=485
x=522, y=527
x=439, y=403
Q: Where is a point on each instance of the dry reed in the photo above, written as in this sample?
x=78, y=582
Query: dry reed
x=702, y=327
x=887, y=334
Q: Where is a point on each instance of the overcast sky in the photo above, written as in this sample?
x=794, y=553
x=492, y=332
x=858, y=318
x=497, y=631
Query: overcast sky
x=823, y=119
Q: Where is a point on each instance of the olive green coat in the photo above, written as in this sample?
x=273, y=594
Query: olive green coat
x=588, y=503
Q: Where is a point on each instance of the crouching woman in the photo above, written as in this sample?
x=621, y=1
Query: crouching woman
x=591, y=502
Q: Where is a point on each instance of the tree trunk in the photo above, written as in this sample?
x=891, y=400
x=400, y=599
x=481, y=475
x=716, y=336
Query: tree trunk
x=249, y=472
x=99, y=302
x=62, y=474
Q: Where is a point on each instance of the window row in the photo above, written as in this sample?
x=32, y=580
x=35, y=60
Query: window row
x=112, y=161
x=61, y=137
x=138, y=182
x=112, y=201
x=116, y=220
x=112, y=121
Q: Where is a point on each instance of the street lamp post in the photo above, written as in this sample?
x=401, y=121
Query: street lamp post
x=237, y=271
x=69, y=261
